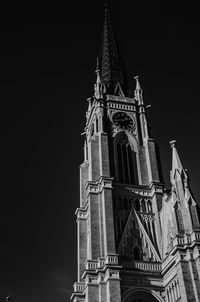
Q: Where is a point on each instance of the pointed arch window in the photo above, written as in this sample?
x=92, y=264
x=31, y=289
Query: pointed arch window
x=125, y=161
x=143, y=205
x=149, y=205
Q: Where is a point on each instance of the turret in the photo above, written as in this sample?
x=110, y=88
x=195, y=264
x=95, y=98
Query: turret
x=185, y=207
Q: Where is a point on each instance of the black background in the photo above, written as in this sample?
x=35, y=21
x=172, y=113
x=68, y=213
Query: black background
x=47, y=62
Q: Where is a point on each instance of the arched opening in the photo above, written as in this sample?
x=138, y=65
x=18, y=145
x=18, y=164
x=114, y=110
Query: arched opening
x=120, y=163
x=149, y=205
x=125, y=160
x=143, y=205
x=140, y=296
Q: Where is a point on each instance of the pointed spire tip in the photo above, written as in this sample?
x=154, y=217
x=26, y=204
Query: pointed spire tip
x=97, y=66
x=173, y=143
x=138, y=87
x=111, y=68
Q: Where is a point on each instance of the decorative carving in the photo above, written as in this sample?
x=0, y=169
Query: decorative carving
x=79, y=286
x=172, y=292
x=120, y=99
x=162, y=294
x=140, y=192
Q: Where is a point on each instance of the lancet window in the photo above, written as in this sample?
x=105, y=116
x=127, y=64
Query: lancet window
x=125, y=159
x=143, y=205
x=149, y=205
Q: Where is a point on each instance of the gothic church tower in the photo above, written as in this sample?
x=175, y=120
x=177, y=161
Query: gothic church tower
x=137, y=241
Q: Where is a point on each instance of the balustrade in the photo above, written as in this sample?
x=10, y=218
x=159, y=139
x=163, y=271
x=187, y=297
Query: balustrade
x=144, y=266
x=79, y=287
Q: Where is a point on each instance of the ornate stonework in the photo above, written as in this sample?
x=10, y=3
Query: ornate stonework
x=137, y=240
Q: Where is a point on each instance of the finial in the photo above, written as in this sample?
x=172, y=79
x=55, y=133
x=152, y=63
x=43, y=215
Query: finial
x=97, y=66
x=99, y=87
x=137, y=83
x=97, y=71
x=106, y=5
x=138, y=91
x=173, y=143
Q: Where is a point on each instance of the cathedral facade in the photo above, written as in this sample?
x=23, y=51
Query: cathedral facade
x=137, y=240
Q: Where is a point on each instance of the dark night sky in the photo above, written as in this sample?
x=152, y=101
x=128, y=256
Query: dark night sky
x=47, y=63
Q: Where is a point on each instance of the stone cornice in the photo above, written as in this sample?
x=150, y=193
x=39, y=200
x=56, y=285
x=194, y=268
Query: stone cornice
x=81, y=213
x=96, y=187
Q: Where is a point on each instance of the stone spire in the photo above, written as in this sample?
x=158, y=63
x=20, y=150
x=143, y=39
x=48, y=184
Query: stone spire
x=184, y=203
x=179, y=178
x=111, y=70
x=176, y=162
